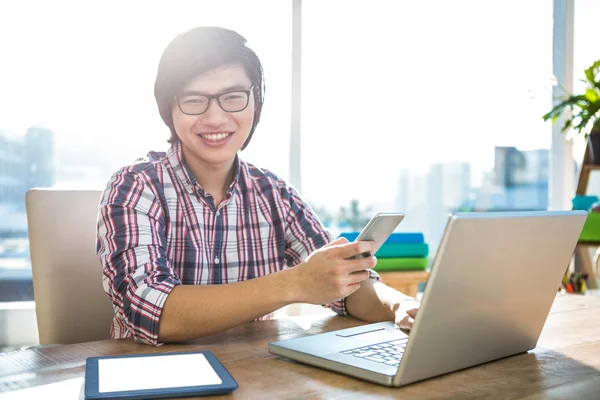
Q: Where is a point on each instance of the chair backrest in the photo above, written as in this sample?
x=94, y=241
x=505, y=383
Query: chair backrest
x=71, y=305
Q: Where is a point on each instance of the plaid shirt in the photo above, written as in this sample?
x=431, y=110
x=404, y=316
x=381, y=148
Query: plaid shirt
x=157, y=229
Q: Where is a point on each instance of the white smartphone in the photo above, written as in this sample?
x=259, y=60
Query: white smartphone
x=379, y=228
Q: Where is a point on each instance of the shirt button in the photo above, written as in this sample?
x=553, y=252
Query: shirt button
x=216, y=260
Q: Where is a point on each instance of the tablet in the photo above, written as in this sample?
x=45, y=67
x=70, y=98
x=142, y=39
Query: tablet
x=155, y=376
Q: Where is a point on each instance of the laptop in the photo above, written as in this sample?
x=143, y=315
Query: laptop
x=489, y=292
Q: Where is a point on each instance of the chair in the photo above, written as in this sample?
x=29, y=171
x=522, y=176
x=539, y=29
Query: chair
x=71, y=305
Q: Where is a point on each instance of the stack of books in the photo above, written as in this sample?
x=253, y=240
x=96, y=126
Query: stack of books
x=402, y=251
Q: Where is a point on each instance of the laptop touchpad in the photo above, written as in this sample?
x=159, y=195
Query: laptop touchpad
x=361, y=330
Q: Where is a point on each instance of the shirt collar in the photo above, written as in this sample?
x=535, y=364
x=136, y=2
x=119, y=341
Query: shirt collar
x=183, y=172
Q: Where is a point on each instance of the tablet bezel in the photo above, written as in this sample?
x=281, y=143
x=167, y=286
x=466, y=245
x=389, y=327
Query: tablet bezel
x=228, y=384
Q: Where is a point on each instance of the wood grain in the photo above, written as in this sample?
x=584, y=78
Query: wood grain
x=566, y=364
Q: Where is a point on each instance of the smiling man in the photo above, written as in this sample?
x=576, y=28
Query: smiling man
x=196, y=241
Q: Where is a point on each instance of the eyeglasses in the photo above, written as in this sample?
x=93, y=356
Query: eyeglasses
x=196, y=103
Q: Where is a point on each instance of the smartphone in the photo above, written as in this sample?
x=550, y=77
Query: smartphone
x=379, y=228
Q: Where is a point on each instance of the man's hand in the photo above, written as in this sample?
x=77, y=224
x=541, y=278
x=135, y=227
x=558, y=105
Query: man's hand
x=405, y=312
x=327, y=275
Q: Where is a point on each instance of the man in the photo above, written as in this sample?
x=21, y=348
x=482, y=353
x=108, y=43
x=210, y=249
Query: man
x=196, y=241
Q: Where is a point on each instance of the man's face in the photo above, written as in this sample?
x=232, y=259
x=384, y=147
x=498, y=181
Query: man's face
x=213, y=130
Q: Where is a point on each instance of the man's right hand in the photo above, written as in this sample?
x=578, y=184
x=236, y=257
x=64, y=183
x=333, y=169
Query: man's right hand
x=328, y=275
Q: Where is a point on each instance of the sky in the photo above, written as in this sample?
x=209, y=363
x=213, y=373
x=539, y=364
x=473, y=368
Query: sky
x=386, y=85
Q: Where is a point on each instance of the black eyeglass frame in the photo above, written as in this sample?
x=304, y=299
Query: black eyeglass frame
x=217, y=96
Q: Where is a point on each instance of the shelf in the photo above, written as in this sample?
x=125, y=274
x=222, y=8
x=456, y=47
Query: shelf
x=588, y=243
x=583, y=262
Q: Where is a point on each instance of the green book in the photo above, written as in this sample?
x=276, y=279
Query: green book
x=401, y=264
x=406, y=250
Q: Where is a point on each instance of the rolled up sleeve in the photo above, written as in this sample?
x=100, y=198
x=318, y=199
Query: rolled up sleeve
x=131, y=246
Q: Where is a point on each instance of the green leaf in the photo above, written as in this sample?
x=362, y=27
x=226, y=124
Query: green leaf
x=592, y=74
x=582, y=124
x=594, y=109
x=566, y=105
x=588, y=115
x=582, y=110
x=592, y=95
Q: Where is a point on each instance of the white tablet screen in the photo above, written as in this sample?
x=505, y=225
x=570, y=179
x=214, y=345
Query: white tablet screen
x=155, y=372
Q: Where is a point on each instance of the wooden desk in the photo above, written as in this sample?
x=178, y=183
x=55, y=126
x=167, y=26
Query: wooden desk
x=565, y=364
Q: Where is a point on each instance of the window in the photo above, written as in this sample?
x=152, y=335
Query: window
x=426, y=107
x=77, y=96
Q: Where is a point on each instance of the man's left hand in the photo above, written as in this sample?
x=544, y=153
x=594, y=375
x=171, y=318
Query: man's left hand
x=406, y=312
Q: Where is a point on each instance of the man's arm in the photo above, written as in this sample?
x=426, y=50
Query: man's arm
x=193, y=311
x=377, y=302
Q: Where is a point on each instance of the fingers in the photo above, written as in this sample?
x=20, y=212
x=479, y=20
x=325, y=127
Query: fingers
x=336, y=242
x=359, y=276
x=406, y=323
x=359, y=264
x=348, y=250
x=406, y=312
x=412, y=312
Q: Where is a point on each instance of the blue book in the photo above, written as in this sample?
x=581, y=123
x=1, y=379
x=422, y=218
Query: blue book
x=395, y=237
x=406, y=250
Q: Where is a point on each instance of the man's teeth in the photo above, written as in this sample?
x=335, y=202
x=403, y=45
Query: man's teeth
x=215, y=136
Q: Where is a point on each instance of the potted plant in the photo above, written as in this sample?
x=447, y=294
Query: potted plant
x=582, y=112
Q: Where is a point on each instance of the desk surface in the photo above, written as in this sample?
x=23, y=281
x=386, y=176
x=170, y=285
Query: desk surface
x=566, y=364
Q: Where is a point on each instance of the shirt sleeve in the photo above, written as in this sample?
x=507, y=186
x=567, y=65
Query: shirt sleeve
x=131, y=247
x=304, y=234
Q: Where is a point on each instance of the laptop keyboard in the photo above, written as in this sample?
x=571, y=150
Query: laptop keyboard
x=388, y=353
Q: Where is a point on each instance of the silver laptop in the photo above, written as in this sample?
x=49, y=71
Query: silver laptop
x=491, y=286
